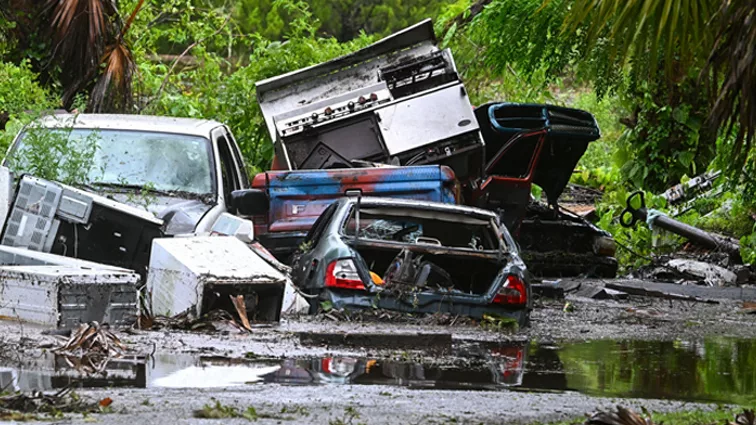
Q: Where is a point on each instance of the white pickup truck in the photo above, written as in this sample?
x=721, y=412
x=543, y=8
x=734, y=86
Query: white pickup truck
x=154, y=196
x=190, y=167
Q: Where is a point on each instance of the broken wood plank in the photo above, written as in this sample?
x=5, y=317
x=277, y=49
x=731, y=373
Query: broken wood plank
x=693, y=291
x=241, y=310
x=659, y=294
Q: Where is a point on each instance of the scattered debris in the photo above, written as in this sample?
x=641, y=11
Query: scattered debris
x=213, y=321
x=643, y=289
x=749, y=307
x=198, y=274
x=747, y=417
x=220, y=411
x=710, y=274
x=636, y=211
x=91, y=347
x=546, y=290
x=241, y=310
x=54, y=290
x=378, y=315
x=623, y=416
x=23, y=407
x=597, y=292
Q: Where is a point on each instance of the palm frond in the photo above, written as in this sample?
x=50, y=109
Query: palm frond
x=112, y=92
x=647, y=31
x=732, y=68
x=80, y=30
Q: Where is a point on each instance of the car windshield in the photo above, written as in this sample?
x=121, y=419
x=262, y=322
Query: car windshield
x=410, y=225
x=119, y=158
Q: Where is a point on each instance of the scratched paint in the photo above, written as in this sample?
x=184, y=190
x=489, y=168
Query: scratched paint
x=297, y=198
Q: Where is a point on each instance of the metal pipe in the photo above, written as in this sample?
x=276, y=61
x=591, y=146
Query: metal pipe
x=699, y=236
x=632, y=215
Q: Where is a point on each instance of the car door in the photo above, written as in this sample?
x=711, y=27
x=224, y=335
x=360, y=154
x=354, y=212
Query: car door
x=230, y=169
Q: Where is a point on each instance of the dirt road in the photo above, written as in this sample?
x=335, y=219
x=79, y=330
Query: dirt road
x=305, y=371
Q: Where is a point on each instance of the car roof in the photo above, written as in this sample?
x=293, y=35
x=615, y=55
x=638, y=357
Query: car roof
x=188, y=126
x=426, y=205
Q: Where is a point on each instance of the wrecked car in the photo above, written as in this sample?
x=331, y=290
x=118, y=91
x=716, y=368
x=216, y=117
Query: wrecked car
x=394, y=254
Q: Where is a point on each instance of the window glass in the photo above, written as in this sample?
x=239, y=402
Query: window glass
x=402, y=226
x=166, y=162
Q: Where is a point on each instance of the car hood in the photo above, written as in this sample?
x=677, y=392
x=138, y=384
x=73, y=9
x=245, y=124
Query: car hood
x=568, y=133
x=180, y=215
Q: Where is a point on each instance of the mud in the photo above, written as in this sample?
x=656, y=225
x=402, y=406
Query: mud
x=638, y=352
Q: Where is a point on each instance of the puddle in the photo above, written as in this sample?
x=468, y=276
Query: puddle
x=716, y=370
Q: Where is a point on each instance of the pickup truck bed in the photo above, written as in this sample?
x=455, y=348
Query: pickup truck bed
x=297, y=198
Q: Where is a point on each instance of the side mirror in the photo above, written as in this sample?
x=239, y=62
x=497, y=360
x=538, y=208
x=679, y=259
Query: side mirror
x=248, y=202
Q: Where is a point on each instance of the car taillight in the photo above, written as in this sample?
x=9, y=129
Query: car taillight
x=343, y=274
x=512, y=293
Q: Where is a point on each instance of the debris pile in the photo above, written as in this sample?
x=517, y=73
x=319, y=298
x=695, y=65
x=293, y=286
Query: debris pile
x=91, y=347
x=212, y=321
x=379, y=315
x=707, y=258
x=23, y=407
x=623, y=416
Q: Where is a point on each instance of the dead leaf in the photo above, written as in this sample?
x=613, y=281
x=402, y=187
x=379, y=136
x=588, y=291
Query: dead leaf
x=241, y=309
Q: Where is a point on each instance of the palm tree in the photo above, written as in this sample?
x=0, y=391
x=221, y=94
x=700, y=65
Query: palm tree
x=716, y=37
x=87, y=44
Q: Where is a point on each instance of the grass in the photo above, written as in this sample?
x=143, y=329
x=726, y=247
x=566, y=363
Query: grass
x=697, y=417
x=718, y=416
x=221, y=411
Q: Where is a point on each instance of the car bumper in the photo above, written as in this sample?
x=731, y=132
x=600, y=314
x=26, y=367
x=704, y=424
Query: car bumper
x=443, y=304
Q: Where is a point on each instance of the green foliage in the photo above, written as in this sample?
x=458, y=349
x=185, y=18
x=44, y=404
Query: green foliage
x=215, y=88
x=667, y=139
x=20, y=91
x=647, y=33
x=342, y=19
x=49, y=154
x=635, y=245
x=499, y=323
x=221, y=411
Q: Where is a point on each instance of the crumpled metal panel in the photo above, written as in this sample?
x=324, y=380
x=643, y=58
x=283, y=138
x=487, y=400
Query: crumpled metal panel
x=290, y=91
x=68, y=294
x=181, y=268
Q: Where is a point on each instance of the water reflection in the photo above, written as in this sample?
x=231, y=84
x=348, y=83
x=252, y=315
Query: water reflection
x=716, y=370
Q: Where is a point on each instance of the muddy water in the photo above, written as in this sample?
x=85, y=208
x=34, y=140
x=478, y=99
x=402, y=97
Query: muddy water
x=715, y=370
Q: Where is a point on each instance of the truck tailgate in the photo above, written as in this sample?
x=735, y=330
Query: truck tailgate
x=297, y=198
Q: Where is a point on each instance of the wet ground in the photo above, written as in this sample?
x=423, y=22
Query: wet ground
x=659, y=354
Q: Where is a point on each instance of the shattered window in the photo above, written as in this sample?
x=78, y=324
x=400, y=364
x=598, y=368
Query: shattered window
x=404, y=225
x=161, y=161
